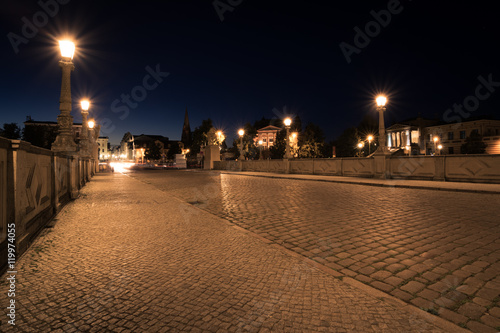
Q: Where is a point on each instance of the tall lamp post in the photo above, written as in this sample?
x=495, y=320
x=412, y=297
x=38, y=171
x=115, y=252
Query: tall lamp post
x=287, y=123
x=435, y=139
x=370, y=139
x=241, y=132
x=64, y=141
x=439, y=149
x=84, y=142
x=260, y=149
x=381, y=101
x=360, y=146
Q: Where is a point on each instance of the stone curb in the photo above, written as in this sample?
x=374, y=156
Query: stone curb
x=411, y=309
x=360, y=182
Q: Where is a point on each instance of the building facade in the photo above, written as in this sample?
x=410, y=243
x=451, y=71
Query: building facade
x=424, y=137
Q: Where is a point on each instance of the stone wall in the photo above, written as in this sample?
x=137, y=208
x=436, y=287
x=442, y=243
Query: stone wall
x=34, y=184
x=467, y=168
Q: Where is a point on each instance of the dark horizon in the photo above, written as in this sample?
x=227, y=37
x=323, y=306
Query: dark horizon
x=261, y=60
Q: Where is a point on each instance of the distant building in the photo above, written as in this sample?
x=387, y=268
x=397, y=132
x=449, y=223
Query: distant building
x=103, y=146
x=267, y=135
x=133, y=147
x=43, y=133
x=419, y=134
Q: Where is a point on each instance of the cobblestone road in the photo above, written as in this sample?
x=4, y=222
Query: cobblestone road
x=437, y=250
x=127, y=257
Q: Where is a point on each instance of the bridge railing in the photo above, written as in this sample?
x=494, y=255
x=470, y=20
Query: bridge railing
x=466, y=168
x=34, y=185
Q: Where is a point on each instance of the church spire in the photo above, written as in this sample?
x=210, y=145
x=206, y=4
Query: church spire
x=186, y=131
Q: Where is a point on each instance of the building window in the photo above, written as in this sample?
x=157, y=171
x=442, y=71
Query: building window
x=271, y=140
x=462, y=134
x=450, y=135
x=264, y=140
x=474, y=131
x=450, y=150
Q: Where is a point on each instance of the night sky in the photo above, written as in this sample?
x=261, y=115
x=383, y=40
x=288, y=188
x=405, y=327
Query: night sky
x=265, y=55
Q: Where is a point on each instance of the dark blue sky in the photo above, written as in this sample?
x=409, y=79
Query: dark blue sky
x=264, y=55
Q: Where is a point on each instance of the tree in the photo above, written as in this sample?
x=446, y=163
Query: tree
x=153, y=152
x=40, y=135
x=277, y=151
x=311, y=142
x=473, y=144
x=173, y=150
x=346, y=144
x=11, y=131
x=199, y=137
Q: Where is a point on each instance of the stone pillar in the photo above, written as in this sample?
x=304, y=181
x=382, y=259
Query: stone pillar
x=65, y=141
x=212, y=154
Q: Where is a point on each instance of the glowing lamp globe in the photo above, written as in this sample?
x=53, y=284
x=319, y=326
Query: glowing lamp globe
x=287, y=122
x=91, y=123
x=85, y=105
x=241, y=132
x=381, y=100
x=67, y=49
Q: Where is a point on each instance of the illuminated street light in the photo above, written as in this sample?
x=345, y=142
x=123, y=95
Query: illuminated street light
x=91, y=123
x=84, y=142
x=439, y=148
x=370, y=139
x=287, y=123
x=260, y=149
x=241, y=132
x=381, y=101
x=408, y=148
x=65, y=141
x=435, y=139
x=360, y=146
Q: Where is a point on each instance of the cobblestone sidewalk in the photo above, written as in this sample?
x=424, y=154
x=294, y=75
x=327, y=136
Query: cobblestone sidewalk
x=126, y=257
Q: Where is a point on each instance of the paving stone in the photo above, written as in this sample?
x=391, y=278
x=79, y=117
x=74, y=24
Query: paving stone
x=413, y=287
x=472, y=310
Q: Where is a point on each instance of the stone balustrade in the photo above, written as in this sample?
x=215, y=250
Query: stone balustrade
x=34, y=184
x=466, y=168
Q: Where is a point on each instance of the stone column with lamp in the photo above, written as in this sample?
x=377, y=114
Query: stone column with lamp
x=65, y=141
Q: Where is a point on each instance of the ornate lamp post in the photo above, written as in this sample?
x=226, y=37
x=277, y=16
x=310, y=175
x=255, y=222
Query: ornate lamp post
x=241, y=132
x=287, y=123
x=64, y=140
x=381, y=101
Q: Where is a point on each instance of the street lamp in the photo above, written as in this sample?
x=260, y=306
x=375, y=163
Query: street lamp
x=370, y=139
x=408, y=148
x=439, y=148
x=435, y=139
x=287, y=123
x=84, y=147
x=260, y=150
x=360, y=146
x=64, y=141
x=381, y=101
x=241, y=132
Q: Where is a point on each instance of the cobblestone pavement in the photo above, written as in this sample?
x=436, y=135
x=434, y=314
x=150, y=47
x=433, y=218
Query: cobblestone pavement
x=127, y=257
x=437, y=250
